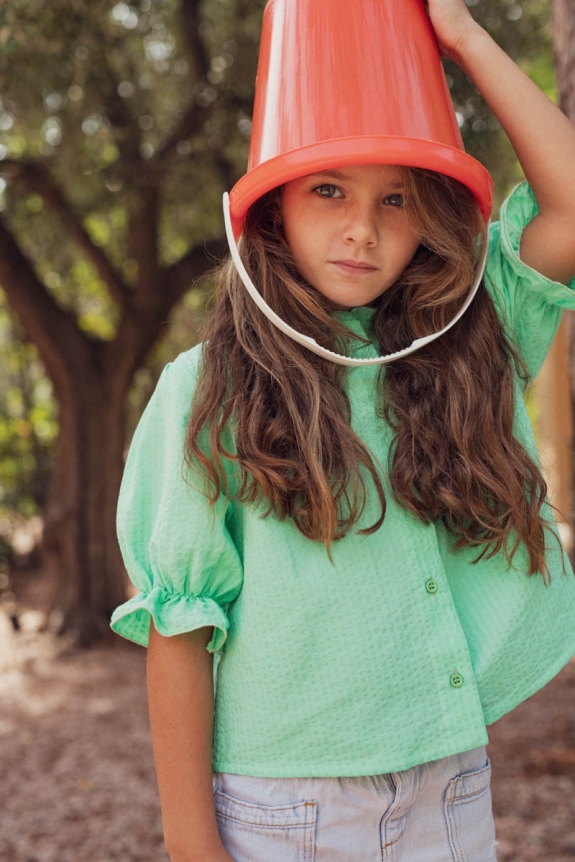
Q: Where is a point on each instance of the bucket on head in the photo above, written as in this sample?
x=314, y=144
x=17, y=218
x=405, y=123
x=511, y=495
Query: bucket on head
x=346, y=82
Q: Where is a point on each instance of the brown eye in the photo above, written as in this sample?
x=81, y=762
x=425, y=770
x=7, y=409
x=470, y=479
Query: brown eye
x=325, y=186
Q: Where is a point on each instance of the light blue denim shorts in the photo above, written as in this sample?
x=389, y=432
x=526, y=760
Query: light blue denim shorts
x=439, y=811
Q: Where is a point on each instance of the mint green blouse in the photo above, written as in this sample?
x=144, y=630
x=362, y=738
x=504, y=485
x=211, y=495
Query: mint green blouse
x=402, y=651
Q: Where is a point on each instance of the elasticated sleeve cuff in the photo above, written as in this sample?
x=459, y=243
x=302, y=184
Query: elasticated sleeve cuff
x=516, y=212
x=176, y=546
x=173, y=614
x=529, y=304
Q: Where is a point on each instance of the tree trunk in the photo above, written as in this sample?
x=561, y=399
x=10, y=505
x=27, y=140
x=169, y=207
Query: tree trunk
x=564, y=41
x=79, y=552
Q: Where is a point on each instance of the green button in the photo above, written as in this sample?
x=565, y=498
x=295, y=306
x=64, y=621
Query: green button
x=431, y=586
x=456, y=680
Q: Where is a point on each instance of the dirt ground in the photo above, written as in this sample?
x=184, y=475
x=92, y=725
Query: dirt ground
x=77, y=777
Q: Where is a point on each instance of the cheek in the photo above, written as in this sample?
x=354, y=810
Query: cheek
x=411, y=247
x=303, y=238
x=408, y=244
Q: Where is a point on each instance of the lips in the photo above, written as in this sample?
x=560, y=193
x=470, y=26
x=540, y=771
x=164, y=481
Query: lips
x=354, y=266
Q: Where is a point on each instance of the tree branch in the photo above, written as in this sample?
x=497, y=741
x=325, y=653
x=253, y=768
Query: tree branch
x=53, y=330
x=189, y=124
x=180, y=276
x=191, y=32
x=127, y=135
x=195, y=115
x=564, y=33
x=143, y=211
x=37, y=178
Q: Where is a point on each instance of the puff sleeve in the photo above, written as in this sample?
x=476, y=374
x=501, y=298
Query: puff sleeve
x=176, y=548
x=529, y=304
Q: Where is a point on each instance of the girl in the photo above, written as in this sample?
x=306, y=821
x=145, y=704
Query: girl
x=370, y=556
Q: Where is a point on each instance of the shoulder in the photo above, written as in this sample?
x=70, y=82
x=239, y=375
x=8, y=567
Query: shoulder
x=505, y=268
x=188, y=360
x=175, y=388
x=529, y=304
x=179, y=376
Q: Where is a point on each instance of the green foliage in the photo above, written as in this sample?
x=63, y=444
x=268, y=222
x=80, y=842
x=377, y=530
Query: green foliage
x=87, y=82
x=28, y=424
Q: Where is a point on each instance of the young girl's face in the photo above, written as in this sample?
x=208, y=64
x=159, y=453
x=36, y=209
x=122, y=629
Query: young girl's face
x=348, y=232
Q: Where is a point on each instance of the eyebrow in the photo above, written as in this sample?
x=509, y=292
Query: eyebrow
x=338, y=175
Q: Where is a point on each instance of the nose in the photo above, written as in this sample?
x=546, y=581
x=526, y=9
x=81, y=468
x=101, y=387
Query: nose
x=361, y=225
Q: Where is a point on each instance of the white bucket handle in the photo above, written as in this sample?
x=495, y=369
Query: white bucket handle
x=311, y=343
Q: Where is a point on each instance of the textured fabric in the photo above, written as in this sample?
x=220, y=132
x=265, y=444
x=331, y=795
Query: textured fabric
x=398, y=653
x=434, y=812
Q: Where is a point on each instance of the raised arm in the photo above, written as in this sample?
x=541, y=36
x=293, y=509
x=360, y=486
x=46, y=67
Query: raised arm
x=541, y=135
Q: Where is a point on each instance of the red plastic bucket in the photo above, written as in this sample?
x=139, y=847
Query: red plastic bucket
x=345, y=82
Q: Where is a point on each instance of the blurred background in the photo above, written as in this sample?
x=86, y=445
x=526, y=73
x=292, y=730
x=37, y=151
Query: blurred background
x=121, y=125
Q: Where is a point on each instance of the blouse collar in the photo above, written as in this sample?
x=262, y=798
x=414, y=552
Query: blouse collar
x=359, y=321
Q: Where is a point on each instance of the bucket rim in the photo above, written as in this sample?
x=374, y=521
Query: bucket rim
x=364, y=149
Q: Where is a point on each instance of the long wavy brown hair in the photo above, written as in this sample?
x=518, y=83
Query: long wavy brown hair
x=281, y=414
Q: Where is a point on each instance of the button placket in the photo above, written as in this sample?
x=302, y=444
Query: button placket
x=456, y=679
